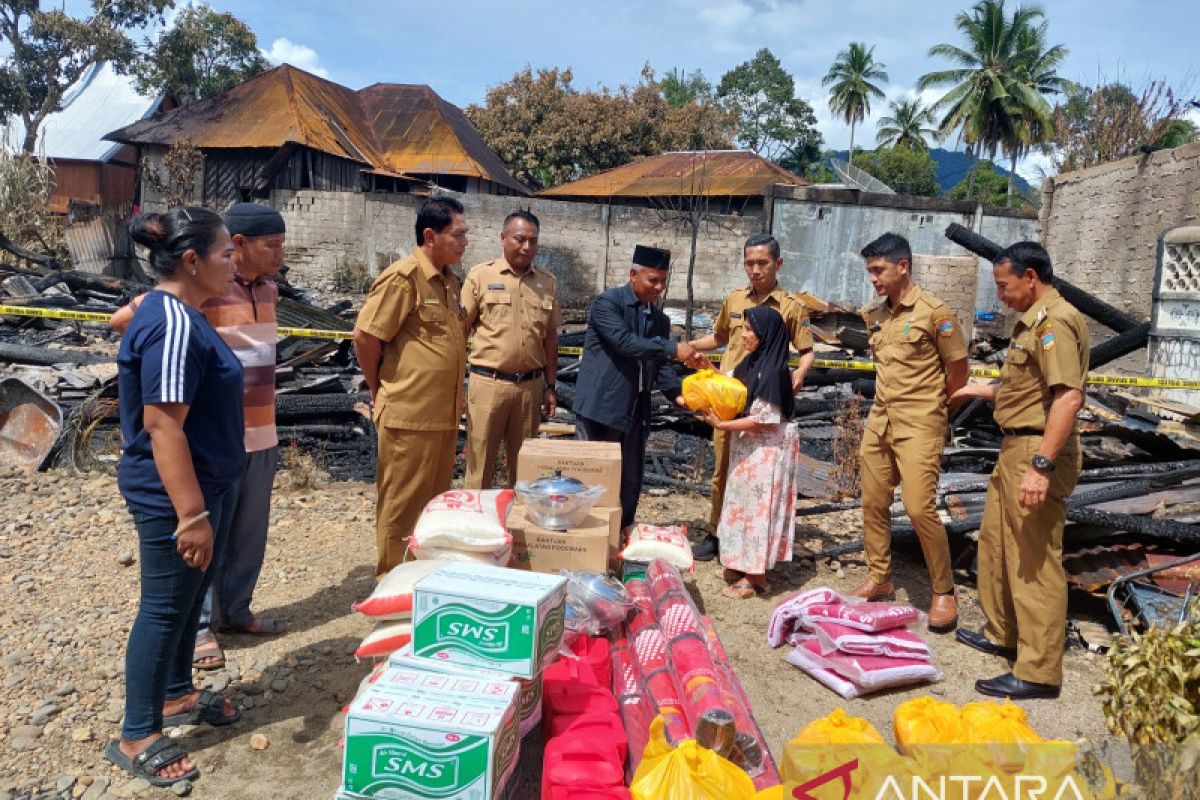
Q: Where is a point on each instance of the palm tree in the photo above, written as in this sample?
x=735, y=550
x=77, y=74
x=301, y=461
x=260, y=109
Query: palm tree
x=850, y=85
x=995, y=95
x=908, y=125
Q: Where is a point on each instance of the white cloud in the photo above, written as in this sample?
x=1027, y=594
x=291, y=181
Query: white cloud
x=298, y=55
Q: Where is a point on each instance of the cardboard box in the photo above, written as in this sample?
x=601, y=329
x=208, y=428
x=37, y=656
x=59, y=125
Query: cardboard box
x=529, y=701
x=503, y=619
x=412, y=743
x=594, y=463
x=592, y=545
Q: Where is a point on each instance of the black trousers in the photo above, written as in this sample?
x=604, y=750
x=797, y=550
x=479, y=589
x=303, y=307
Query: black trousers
x=633, y=452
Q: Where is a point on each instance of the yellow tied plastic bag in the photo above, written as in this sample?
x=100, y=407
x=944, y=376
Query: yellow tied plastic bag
x=924, y=720
x=837, y=727
x=1004, y=728
x=686, y=772
x=709, y=390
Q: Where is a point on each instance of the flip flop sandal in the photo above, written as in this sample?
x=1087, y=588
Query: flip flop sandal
x=157, y=755
x=209, y=709
x=743, y=590
x=259, y=626
x=208, y=653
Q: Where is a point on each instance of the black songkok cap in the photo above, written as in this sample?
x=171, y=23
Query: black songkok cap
x=652, y=257
x=253, y=219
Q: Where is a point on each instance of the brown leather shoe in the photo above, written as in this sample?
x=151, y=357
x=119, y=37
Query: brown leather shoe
x=943, y=613
x=870, y=590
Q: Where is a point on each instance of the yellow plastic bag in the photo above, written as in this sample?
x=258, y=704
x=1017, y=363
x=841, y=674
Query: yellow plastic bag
x=924, y=720
x=1004, y=728
x=837, y=727
x=686, y=772
x=709, y=390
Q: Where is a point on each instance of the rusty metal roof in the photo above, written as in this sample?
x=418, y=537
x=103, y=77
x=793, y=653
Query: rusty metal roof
x=391, y=128
x=422, y=134
x=711, y=173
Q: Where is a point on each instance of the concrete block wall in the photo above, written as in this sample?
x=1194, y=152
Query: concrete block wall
x=953, y=279
x=1101, y=226
x=588, y=246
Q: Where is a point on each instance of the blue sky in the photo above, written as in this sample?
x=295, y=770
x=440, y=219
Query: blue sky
x=461, y=48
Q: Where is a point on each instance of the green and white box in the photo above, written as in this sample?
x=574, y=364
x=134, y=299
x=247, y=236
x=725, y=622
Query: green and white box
x=422, y=744
x=508, y=620
x=529, y=700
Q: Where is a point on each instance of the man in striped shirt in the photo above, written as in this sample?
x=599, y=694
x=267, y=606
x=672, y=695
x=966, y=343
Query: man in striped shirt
x=245, y=319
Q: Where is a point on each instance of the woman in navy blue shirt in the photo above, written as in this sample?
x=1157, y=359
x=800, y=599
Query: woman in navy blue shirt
x=181, y=430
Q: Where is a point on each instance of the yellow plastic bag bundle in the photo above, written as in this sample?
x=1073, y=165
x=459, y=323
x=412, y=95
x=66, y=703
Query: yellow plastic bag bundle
x=709, y=390
x=1004, y=728
x=837, y=727
x=924, y=720
x=816, y=759
x=686, y=772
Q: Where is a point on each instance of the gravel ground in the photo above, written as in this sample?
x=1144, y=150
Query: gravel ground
x=68, y=593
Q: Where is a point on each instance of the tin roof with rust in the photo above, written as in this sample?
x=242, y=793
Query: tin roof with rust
x=390, y=128
x=710, y=173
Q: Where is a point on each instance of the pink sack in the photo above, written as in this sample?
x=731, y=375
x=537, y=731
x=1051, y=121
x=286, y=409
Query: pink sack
x=785, y=619
x=828, y=678
x=896, y=643
x=870, y=617
x=872, y=673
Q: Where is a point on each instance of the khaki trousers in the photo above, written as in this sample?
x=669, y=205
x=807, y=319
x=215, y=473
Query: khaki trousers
x=499, y=411
x=411, y=468
x=720, y=471
x=914, y=461
x=1022, y=586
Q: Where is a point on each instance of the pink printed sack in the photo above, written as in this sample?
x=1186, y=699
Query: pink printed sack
x=785, y=619
x=894, y=643
x=870, y=617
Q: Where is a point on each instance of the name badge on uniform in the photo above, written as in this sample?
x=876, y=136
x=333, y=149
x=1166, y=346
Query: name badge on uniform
x=432, y=301
x=492, y=286
x=735, y=314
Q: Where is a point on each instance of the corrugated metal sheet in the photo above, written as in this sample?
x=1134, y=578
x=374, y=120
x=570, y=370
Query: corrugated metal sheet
x=710, y=173
x=422, y=134
x=100, y=101
x=391, y=127
x=91, y=244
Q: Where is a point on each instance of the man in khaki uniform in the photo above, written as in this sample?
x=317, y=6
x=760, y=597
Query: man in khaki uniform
x=920, y=362
x=513, y=309
x=1022, y=586
x=762, y=262
x=410, y=347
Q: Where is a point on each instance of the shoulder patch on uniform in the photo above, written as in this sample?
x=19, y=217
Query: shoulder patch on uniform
x=804, y=323
x=944, y=325
x=1045, y=335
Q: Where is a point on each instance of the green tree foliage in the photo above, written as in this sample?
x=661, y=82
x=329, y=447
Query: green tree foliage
x=850, y=85
x=46, y=51
x=771, y=120
x=995, y=93
x=907, y=170
x=202, y=55
x=1110, y=121
x=549, y=132
x=680, y=89
x=907, y=126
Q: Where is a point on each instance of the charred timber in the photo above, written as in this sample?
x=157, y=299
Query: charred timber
x=46, y=357
x=1088, y=304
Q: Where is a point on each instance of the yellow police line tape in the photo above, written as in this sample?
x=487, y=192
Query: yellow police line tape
x=862, y=366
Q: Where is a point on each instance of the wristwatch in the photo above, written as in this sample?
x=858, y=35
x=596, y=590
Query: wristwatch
x=1041, y=463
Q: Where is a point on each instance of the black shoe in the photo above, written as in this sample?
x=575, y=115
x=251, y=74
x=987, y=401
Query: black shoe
x=983, y=644
x=706, y=549
x=1009, y=685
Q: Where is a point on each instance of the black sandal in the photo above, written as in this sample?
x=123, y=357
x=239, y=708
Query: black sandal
x=158, y=755
x=209, y=708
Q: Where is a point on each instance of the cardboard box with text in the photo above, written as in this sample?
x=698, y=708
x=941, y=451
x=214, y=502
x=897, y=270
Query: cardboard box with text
x=594, y=463
x=592, y=545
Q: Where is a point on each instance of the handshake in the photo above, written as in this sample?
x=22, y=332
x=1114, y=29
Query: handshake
x=691, y=358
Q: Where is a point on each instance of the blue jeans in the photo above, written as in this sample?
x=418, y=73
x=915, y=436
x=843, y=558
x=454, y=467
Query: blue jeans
x=158, y=659
x=236, y=568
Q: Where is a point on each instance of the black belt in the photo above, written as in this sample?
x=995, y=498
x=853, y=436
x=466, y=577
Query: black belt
x=511, y=377
x=1022, y=432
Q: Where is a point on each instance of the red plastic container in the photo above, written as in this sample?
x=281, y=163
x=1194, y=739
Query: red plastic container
x=573, y=764
x=595, y=653
x=573, y=699
x=604, y=731
x=568, y=793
